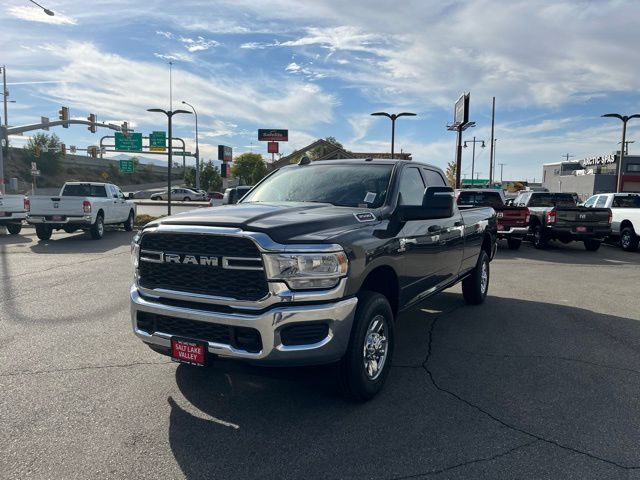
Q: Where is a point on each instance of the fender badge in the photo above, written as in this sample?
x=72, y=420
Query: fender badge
x=365, y=216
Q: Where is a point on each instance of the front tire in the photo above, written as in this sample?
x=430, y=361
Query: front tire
x=128, y=225
x=540, y=240
x=367, y=361
x=97, y=229
x=514, y=243
x=591, y=245
x=186, y=199
x=476, y=286
x=44, y=232
x=14, y=228
x=629, y=240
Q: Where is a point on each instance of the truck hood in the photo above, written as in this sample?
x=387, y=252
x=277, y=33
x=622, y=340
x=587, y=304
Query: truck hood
x=285, y=222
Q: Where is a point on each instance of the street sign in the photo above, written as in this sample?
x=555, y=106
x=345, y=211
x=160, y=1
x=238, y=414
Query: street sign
x=272, y=147
x=157, y=141
x=130, y=143
x=127, y=166
x=273, y=135
x=225, y=153
x=72, y=148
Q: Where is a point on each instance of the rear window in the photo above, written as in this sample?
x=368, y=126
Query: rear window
x=84, y=190
x=484, y=199
x=553, y=200
x=630, y=201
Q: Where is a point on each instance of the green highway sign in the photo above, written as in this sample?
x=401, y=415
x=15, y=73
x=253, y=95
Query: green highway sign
x=130, y=143
x=157, y=141
x=127, y=166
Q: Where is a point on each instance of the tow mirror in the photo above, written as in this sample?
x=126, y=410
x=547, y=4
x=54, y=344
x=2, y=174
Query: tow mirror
x=437, y=202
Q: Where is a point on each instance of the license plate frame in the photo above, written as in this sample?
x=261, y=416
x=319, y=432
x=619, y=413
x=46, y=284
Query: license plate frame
x=581, y=229
x=57, y=218
x=189, y=351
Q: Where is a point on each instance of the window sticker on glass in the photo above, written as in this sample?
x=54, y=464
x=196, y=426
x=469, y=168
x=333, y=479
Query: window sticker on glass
x=370, y=197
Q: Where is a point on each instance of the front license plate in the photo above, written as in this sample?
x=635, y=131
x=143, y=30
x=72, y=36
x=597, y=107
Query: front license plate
x=192, y=352
x=581, y=229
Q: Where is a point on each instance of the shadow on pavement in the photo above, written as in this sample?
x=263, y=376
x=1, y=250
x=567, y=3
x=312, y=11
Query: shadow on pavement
x=80, y=242
x=21, y=238
x=469, y=385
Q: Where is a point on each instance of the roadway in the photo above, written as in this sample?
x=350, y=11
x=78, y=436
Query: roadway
x=542, y=381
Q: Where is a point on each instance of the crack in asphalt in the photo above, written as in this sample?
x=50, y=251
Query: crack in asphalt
x=87, y=367
x=502, y=422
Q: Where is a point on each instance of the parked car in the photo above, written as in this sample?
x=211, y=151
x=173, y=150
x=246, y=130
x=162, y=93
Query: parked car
x=312, y=266
x=625, y=211
x=215, y=195
x=557, y=216
x=181, y=194
x=81, y=206
x=13, y=210
x=512, y=221
x=233, y=194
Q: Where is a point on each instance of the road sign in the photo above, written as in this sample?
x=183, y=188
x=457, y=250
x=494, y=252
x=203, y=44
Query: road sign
x=157, y=141
x=127, y=166
x=72, y=148
x=35, y=173
x=130, y=143
x=34, y=166
x=273, y=135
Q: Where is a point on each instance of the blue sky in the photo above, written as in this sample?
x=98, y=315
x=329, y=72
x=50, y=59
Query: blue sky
x=320, y=68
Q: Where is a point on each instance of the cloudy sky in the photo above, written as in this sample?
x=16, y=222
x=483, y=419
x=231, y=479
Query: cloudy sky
x=319, y=68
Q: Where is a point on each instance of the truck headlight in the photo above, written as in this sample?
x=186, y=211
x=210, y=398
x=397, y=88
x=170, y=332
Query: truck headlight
x=135, y=250
x=306, y=270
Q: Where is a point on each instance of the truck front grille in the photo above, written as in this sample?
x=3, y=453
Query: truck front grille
x=238, y=283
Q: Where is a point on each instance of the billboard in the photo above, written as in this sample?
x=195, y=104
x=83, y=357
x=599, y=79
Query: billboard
x=273, y=135
x=225, y=153
x=461, y=110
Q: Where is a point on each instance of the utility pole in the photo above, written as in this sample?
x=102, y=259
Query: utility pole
x=567, y=156
x=491, y=158
x=501, y=167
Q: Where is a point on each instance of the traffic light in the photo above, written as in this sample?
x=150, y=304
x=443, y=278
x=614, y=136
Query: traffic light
x=92, y=119
x=63, y=150
x=64, y=116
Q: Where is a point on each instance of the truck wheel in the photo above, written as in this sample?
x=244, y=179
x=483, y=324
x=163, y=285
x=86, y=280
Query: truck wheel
x=44, y=232
x=476, y=285
x=514, y=243
x=628, y=240
x=591, y=245
x=14, y=228
x=128, y=225
x=366, y=364
x=540, y=240
x=97, y=229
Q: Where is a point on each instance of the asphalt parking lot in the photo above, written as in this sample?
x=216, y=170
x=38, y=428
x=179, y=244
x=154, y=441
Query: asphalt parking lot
x=541, y=381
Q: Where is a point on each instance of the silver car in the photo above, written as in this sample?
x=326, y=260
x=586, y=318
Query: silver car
x=183, y=194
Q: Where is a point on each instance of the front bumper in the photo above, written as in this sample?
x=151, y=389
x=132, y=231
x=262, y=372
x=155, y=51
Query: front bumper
x=338, y=315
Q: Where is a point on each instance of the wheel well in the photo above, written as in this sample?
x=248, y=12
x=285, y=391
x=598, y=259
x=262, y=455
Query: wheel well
x=100, y=213
x=625, y=224
x=384, y=280
x=486, y=244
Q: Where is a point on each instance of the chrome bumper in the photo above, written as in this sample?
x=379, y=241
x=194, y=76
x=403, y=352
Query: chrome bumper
x=338, y=315
x=84, y=220
x=514, y=232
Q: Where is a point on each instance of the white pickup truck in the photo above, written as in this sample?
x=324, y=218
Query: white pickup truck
x=13, y=209
x=625, y=212
x=81, y=205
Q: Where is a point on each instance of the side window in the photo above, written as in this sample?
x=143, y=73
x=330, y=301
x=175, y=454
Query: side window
x=591, y=201
x=433, y=178
x=120, y=194
x=111, y=191
x=602, y=201
x=411, y=187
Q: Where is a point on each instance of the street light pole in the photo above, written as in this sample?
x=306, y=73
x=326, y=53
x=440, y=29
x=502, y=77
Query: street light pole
x=169, y=115
x=45, y=10
x=624, y=119
x=393, y=117
x=197, y=149
x=473, y=155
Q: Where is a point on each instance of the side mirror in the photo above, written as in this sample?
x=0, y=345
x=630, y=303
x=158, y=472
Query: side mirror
x=131, y=195
x=437, y=202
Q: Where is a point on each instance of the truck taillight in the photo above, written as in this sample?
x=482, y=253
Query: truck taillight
x=27, y=205
x=86, y=206
x=527, y=218
x=551, y=217
x=610, y=217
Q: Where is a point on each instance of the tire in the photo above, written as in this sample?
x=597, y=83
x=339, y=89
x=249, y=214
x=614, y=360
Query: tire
x=156, y=198
x=186, y=199
x=592, y=245
x=44, y=232
x=128, y=225
x=629, y=240
x=69, y=229
x=367, y=361
x=97, y=229
x=476, y=286
x=514, y=243
x=540, y=240
x=14, y=228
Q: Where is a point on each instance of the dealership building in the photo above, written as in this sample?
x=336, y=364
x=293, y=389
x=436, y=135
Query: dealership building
x=592, y=175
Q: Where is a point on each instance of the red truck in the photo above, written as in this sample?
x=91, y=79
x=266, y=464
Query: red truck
x=513, y=222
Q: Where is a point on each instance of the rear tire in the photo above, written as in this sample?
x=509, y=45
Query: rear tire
x=367, y=361
x=629, y=240
x=476, y=286
x=591, y=245
x=186, y=199
x=540, y=240
x=97, y=229
x=44, y=232
x=514, y=243
x=128, y=225
x=14, y=228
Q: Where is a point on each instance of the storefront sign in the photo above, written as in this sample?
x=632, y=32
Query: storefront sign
x=598, y=160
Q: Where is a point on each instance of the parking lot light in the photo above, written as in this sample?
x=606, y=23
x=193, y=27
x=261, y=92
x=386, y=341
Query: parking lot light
x=624, y=119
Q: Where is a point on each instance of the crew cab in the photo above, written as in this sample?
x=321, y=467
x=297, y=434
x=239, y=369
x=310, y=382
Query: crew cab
x=312, y=266
x=625, y=216
x=557, y=216
x=81, y=206
x=13, y=210
x=512, y=222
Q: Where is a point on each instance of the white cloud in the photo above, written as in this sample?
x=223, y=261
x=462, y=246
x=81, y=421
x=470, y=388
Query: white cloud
x=293, y=67
x=181, y=57
x=35, y=14
x=198, y=44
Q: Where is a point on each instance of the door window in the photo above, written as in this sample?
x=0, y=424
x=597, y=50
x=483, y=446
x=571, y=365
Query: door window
x=591, y=201
x=411, y=187
x=602, y=201
x=433, y=178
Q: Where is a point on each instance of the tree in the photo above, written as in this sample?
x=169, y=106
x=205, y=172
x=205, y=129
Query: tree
x=210, y=179
x=49, y=160
x=451, y=173
x=321, y=150
x=249, y=168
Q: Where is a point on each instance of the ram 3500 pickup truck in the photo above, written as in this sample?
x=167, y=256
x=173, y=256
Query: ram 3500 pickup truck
x=81, y=206
x=13, y=210
x=625, y=216
x=557, y=216
x=311, y=267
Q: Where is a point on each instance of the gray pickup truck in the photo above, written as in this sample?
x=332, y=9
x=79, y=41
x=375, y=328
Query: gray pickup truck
x=313, y=266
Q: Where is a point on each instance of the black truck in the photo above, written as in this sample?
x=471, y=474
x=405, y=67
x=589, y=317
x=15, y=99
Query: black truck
x=313, y=266
x=557, y=216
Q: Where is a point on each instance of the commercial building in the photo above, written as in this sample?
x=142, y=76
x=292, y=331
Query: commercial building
x=592, y=175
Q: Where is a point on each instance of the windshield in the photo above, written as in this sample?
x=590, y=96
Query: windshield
x=627, y=201
x=553, y=200
x=489, y=199
x=341, y=185
x=84, y=190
